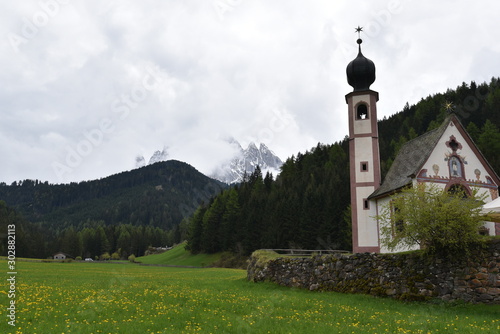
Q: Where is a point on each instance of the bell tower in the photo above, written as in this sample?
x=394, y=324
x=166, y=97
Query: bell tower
x=364, y=155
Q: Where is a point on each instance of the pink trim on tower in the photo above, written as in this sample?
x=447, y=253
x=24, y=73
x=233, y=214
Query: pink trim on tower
x=375, y=166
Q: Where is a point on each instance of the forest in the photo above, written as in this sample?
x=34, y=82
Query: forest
x=129, y=211
x=94, y=239
x=305, y=206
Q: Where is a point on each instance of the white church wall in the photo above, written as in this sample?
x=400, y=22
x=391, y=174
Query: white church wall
x=363, y=152
x=381, y=204
x=473, y=170
x=384, y=202
x=367, y=225
x=490, y=226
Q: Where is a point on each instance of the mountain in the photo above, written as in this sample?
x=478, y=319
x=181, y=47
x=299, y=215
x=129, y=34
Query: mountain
x=140, y=161
x=159, y=195
x=157, y=156
x=245, y=162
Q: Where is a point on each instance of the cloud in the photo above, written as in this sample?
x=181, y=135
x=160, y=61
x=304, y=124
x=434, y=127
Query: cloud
x=76, y=76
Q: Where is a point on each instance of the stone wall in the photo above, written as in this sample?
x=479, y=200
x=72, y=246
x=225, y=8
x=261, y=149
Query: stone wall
x=410, y=276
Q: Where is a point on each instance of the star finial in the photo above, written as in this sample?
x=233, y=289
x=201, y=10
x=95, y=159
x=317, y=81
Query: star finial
x=359, y=30
x=449, y=107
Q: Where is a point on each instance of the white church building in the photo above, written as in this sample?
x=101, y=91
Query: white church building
x=445, y=156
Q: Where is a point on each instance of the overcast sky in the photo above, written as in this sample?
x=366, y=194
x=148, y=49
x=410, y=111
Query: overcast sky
x=89, y=85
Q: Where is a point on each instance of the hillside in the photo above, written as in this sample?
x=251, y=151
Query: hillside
x=122, y=214
x=159, y=195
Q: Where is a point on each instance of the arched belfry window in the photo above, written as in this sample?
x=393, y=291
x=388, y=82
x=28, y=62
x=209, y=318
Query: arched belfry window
x=362, y=111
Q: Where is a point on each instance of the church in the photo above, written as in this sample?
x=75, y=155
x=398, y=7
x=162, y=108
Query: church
x=446, y=156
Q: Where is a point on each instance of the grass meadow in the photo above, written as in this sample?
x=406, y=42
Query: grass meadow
x=128, y=298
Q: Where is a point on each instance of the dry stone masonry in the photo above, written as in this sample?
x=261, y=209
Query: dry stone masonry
x=406, y=276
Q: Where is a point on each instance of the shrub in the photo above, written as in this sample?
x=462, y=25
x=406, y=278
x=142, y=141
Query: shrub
x=436, y=220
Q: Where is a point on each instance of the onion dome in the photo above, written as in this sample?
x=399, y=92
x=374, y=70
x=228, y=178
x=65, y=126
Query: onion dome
x=360, y=71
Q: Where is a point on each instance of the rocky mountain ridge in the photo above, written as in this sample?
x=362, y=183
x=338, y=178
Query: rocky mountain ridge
x=243, y=162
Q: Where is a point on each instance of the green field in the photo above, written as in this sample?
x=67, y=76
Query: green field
x=128, y=298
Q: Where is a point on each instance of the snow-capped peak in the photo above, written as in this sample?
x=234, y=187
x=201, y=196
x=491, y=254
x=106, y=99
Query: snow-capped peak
x=156, y=157
x=245, y=161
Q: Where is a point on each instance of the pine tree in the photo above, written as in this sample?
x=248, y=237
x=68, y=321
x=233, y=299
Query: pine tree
x=489, y=144
x=124, y=242
x=195, y=230
x=210, y=239
x=71, y=242
x=230, y=221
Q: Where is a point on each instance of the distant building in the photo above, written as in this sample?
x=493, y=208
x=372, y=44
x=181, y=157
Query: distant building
x=61, y=256
x=446, y=156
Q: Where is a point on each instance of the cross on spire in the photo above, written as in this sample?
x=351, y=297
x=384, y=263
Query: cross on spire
x=359, y=30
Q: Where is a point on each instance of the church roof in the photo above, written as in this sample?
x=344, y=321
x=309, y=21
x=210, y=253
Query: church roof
x=410, y=159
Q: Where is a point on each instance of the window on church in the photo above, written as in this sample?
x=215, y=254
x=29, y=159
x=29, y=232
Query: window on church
x=366, y=204
x=454, y=145
x=398, y=225
x=364, y=166
x=483, y=230
x=362, y=111
x=458, y=189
